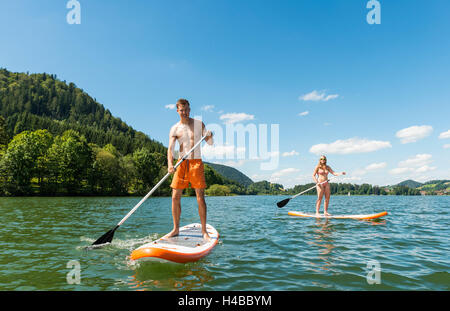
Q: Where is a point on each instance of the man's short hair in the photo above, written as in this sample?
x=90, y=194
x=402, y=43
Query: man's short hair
x=182, y=102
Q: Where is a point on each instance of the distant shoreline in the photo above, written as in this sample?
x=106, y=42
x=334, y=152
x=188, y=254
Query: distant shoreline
x=234, y=195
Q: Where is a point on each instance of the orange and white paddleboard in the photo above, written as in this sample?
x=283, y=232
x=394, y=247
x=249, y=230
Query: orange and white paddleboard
x=189, y=245
x=363, y=217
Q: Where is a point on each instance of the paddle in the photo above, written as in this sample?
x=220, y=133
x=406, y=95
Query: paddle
x=285, y=201
x=108, y=236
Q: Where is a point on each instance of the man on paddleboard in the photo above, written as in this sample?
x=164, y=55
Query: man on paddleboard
x=187, y=132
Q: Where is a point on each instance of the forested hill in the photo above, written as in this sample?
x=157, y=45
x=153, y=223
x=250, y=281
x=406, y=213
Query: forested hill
x=410, y=183
x=55, y=139
x=232, y=173
x=41, y=101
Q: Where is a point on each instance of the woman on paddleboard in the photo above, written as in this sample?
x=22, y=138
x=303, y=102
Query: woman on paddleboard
x=323, y=188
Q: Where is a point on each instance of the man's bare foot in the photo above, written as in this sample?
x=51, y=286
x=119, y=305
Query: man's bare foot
x=326, y=214
x=206, y=236
x=173, y=233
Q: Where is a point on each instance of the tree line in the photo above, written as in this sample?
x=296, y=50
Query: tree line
x=39, y=163
x=57, y=140
x=353, y=189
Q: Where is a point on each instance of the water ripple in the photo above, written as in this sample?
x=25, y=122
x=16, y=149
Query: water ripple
x=260, y=248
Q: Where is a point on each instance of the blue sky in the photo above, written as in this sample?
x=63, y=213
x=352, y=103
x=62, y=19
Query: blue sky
x=374, y=98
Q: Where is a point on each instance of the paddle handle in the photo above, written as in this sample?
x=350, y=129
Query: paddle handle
x=160, y=182
x=313, y=187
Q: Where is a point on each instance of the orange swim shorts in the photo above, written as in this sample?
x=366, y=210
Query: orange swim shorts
x=190, y=171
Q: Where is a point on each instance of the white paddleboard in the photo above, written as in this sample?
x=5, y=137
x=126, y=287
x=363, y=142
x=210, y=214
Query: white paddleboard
x=188, y=246
x=364, y=217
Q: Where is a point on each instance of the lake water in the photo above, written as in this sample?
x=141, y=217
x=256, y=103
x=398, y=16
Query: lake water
x=260, y=248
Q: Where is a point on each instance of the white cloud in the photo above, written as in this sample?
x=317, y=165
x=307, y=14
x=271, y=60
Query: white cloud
x=353, y=178
x=271, y=154
x=400, y=170
x=221, y=151
x=351, y=145
x=207, y=108
x=444, y=135
x=235, y=163
x=304, y=113
x=285, y=172
x=170, y=106
x=274, y=179
x=318, y=96
x=425, y=168
x=359, y=172
x=376, y=166
x=417, y=160
x=290, y=154
x=370, y=167
x=256, y=177
x=236, y=117
x=413, y=133
x=414, y=165
x=446, y=146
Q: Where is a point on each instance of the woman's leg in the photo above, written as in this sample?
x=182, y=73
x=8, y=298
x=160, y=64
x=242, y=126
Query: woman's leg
x=319, y=197
x=327, y=199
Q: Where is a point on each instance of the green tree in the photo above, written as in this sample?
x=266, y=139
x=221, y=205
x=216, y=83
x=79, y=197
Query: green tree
x=218, y=190
x=70, y=158
x=107, y=174
x=3, y=136
x=24, y=159
x=148, y=168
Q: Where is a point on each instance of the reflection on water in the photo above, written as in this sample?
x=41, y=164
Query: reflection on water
x=323, y=242
x=164, y=275
x=257, y=250
x=376, y=222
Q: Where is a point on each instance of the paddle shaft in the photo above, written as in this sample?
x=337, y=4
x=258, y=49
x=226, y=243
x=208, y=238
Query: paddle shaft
x=313, y=187
x=160, y=182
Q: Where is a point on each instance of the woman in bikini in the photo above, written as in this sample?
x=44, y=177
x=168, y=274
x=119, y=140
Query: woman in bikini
x=322, y=170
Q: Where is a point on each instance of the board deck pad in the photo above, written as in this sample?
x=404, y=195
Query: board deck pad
x=189, y=245
x=363, y=217
x=188, y=237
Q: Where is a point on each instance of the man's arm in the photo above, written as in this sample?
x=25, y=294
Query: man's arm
x=209, y=139
x=172, y=140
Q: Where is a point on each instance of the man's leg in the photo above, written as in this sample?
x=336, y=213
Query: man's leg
x=200, y=193
x=176, y=211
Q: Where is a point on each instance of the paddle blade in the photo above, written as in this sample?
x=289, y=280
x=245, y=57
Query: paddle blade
x=106, y=238
x=283, y=203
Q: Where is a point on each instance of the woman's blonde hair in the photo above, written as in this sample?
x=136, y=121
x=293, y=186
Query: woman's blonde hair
x=322, y=166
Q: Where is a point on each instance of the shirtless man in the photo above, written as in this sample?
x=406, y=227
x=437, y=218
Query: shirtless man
x=187, y=132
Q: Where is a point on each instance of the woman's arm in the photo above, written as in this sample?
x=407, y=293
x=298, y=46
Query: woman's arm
x=332, y=172
x=315, y=173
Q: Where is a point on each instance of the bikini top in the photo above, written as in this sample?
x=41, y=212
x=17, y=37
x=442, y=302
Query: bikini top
x=322, y=172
